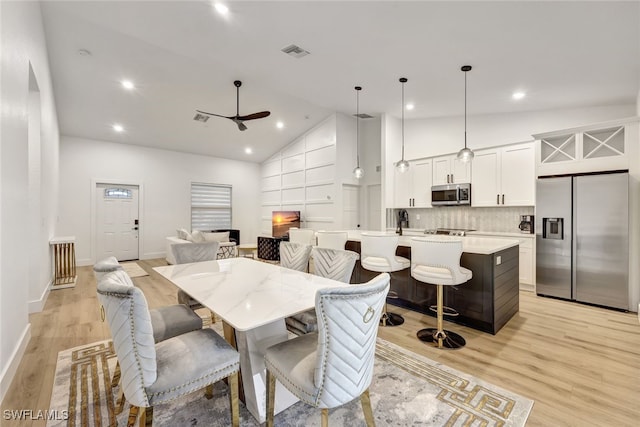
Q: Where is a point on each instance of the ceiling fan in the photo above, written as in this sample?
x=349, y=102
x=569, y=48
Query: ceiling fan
x=238, y=119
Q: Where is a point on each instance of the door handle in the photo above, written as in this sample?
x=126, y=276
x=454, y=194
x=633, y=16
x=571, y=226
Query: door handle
x=503, y=199
x=452, y=179
x=497, y=199
x=135, y=228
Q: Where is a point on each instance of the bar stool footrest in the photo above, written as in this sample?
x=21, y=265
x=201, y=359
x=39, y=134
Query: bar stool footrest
x=446, y=311
x=451, y=340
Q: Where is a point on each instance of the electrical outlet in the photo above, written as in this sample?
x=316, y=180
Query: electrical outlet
x=498, y=260
x=418, y=217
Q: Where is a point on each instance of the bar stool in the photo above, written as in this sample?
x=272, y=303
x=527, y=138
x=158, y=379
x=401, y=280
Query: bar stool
x=436, y=261
x=378, y=253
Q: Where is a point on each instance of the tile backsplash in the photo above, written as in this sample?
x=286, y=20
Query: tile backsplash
x=500, y=219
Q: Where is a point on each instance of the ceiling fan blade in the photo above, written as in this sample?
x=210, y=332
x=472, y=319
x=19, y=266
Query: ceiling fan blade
x=241, y=125
x=260, y=115
x=217, y=115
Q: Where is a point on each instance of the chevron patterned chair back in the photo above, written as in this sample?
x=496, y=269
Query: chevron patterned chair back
x=343, y=350
x=332, y=264
x=185, y=253
x=295, y=256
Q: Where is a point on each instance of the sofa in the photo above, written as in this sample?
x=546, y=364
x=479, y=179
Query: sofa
x=227, y=247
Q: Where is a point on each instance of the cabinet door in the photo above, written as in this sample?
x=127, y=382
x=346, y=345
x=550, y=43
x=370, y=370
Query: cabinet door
x=460, y=171
x=401, y=188
x=421, y=184
x=442, y=170
x=518, y=175
x=485, y=178
x=526, y=265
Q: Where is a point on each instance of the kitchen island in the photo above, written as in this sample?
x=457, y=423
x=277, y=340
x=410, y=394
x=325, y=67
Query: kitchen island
x=486, y=302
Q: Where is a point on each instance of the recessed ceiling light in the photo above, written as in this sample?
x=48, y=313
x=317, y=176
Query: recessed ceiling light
x=248, y=150
x=118, y=128
x=127, y=84
x=518, y=95
x=221, y=9
x=410, y=106
x=279, y=125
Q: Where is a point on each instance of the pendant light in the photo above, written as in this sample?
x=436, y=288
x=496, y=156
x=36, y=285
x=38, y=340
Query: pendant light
x=402, y=165
x=358, y=172
x=465, y=155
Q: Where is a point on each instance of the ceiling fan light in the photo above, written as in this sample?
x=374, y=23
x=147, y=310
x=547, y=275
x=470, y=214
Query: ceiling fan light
x=402, y=166
x=358, y=172
x=465, y=155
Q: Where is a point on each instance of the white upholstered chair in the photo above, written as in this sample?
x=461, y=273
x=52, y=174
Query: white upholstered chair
x=304, y=236
x=194, y=252
x=295, y=256
x=437, y=261
x=334, y=365
x=157, y=373
x=332, y=239
x=330, y=263
x=378, y=253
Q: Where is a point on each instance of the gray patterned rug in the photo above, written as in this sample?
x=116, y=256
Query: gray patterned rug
x=407, y=389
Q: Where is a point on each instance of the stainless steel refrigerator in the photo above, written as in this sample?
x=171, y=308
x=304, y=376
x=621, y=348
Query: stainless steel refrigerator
x=582, y=238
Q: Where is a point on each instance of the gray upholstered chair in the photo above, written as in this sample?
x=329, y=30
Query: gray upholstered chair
x=333, y=366
x=333, y=264
x=157, y=373
x=436, y=261
x=185, y=253
x=295, y=256
x=167, y=322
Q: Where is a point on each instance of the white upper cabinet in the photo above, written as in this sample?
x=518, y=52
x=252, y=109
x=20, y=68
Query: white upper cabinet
x=412, y=189
x=504, y=176
x=450, y=170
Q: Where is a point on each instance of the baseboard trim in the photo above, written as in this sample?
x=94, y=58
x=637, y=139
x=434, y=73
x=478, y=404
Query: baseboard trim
x=14, y=361
x=36, y=306
x=153, y=255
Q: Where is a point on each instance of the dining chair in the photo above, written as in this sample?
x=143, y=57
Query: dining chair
x=332, y=239
x=305, y=236
x=332, y=264
x=437, y=261
x=295, y=256
x=334, y=365
x=186, y=253
x=157, y=373
x=378, y=253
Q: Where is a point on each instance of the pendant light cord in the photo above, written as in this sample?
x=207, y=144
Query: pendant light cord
x=403, y=82
x=465, y=109
x=358, y=88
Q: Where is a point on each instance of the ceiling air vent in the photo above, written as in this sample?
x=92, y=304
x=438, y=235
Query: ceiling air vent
x=200, y=118
x=363, y=116
x=295, y=51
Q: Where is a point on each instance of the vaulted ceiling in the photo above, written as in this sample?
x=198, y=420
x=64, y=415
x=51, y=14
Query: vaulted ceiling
x=183, y=56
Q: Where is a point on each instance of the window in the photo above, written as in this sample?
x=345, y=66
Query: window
x=210, y=206
x=117, y=193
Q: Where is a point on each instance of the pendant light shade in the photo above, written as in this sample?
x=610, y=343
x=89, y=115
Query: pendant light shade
x=402, y=165
x=465, y=155
x=358, y=172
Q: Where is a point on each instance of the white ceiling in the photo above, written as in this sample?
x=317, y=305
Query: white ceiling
x=183, y=56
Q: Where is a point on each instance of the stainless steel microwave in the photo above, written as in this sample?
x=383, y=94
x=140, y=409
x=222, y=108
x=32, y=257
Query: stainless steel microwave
x=451, y=195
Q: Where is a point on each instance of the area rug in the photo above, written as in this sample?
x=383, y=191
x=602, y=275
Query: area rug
x=133, y=269
x=407, y=389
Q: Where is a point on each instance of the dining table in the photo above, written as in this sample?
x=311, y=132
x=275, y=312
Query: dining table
x=252, y=298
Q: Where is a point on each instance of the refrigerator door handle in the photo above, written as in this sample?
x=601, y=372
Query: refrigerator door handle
x=574, y=238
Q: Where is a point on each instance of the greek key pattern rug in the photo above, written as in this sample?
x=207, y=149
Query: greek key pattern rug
x=407, y=389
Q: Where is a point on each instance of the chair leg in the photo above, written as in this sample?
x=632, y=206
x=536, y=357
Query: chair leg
x=271, y=397
x=233, y=400
x=133, y=416
x=213, y=317
x=366, y=408
x=119, y=402
x=441, y=335
x=146, y=417
x=116, y=375
x=325, y=417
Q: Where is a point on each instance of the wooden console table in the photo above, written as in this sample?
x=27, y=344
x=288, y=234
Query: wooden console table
x=64, y=262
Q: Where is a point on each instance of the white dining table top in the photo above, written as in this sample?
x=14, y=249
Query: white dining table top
x=247, y=293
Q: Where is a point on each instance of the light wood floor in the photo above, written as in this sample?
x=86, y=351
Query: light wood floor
x=580, y=364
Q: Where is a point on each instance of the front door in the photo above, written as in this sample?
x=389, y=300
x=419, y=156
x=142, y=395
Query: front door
x=117, y=221
x=350, y=207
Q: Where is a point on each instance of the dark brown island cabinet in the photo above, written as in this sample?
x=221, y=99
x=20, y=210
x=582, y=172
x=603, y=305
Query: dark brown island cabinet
x=486, y=302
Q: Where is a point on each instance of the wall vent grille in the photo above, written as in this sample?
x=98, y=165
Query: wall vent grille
x=295, y=51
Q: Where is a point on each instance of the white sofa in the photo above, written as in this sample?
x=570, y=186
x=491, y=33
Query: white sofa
x=226, y=250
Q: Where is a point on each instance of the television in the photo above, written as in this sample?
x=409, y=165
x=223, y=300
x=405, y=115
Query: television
x=282, y=221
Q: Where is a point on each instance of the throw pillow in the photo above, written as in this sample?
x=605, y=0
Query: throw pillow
x=181, y=233
x=197, y=236
x=216, y=237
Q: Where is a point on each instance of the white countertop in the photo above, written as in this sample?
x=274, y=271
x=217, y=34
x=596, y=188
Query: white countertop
x=246, y=293
x=470, y=244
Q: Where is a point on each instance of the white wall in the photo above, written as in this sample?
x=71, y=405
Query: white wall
x=23, y=45
x=432, y=137
x=165, y=178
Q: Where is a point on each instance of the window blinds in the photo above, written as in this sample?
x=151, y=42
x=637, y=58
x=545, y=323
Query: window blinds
x=210, y=206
